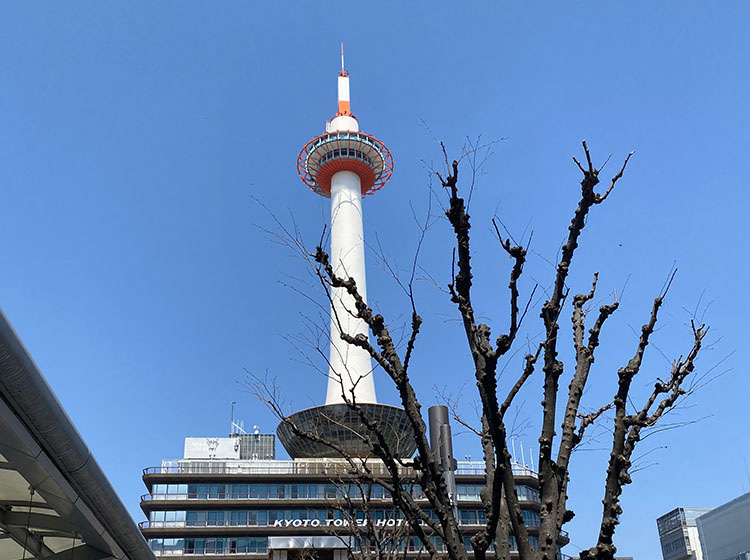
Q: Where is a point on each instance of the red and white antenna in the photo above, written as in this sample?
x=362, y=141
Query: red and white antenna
x=344, y=104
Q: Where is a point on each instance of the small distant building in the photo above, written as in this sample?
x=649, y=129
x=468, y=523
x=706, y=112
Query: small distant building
x=678, y=534
x=725, y=531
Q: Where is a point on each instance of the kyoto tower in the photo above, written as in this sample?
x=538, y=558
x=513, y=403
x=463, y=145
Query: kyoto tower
x=345, y=165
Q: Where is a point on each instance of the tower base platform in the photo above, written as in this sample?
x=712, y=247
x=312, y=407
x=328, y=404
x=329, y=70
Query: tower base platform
x=340, y=424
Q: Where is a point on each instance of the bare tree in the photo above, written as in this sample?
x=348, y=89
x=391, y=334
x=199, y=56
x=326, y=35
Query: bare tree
x=563, y=422
x=371, y=529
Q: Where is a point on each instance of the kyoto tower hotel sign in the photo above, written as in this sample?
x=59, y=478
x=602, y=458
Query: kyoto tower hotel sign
x=345, y=165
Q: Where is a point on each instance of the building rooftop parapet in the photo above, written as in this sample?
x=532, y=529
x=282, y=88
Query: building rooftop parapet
x=331, y=467
x=239, y=527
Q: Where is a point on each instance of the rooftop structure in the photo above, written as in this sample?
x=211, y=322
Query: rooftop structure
x=236, y=446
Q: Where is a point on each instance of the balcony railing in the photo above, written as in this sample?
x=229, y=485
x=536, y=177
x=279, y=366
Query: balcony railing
x=207, y=552
x=230, y=551
x=331, y=468
x=244, y=496
x=213, y=523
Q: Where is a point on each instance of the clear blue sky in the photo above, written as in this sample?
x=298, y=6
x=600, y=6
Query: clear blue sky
x=134, y=136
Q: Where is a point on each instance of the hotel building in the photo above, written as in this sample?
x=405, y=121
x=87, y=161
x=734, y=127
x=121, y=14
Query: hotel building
x=215, y=503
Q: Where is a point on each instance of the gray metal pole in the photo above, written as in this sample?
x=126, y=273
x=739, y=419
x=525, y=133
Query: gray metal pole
x=441, y=443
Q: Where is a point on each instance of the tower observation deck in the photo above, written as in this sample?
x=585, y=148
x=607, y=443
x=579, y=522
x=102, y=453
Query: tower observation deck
x=345, y=164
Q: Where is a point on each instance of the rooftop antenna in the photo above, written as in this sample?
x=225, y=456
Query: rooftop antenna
x=531, y=457
x=342, y=59
x=523, y=460
x=238, y=428
x=513, y=443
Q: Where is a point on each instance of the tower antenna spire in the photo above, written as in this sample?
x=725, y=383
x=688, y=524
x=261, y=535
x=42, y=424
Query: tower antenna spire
x=342, y=58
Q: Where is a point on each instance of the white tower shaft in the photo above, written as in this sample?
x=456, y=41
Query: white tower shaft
x=350, y=372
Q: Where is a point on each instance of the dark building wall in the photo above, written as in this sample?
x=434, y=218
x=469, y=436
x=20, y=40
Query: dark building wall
x=725, y=531
x=257, y=446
